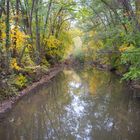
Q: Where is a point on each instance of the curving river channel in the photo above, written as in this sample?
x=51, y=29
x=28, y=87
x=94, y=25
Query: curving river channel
x=81, y=104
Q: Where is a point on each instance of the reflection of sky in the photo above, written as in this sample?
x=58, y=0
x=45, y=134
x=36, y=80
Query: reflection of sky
x=74, y=84
x=87, y=116
x=76, y=111
x=76, y=107
x=71, y=112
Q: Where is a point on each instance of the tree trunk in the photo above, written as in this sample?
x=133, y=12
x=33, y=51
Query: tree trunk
x=2, y=4
x=2, y=10
x=37, y=34
x=7, y=35
x=15, y=54
x=47, y=16
x=138, y=10
x=30, y=19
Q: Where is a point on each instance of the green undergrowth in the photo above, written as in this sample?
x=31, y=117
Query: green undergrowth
x=13, y=83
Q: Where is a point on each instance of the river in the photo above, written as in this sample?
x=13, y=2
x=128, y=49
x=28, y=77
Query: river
x=78, y=104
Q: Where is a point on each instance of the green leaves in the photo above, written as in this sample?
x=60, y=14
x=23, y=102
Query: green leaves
x=133, y=74
x=131, y=57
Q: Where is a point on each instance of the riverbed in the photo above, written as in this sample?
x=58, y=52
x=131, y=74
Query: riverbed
x=77, y=104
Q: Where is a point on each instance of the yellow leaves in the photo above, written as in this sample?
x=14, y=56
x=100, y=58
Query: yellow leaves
x=20, y=81
x=53, y=46
x=18, y=38
x=122, y=49
x=52, y=42
x=75, y=33
x=53, y=52
x=92, y=33
x=67, y=43
x=59, y=47
x=125, y=47
x=15, y=33
x=3, y=28
x=138, y=12
x=14, y=64
x=14, y=17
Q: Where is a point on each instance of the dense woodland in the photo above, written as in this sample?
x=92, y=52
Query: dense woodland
x=36, y=34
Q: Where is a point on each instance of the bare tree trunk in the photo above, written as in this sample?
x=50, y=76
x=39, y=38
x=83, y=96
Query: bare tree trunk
x=30, y=19
x=45, y=26
x=47, y=16
x=15, y=54
x=37, y=34
x=7, y=35
x=2, y=4
x=2, y=10
x=137, y=3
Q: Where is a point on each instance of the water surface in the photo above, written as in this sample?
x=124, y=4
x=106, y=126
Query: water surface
x=79, y=104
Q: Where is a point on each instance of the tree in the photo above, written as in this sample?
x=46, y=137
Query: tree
x=7, y=34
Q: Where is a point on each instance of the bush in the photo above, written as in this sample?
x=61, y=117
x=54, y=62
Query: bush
x=131, y=57
x=20, y=81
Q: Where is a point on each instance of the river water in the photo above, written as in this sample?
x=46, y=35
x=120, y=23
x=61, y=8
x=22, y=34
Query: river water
x=81, y=104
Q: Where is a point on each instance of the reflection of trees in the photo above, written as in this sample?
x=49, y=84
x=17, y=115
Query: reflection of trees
x=68, y=108
x=40, y=115
x=114, y=112
x=96, y=80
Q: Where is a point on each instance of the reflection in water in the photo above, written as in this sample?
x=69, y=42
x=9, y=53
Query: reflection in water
x=81, y=105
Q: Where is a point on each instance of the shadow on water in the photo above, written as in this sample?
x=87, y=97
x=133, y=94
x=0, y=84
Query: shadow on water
x=76, y=105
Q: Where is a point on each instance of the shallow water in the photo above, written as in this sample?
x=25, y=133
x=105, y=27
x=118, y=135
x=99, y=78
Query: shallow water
x=77, y=104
